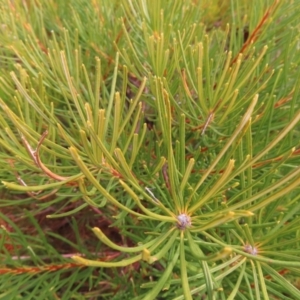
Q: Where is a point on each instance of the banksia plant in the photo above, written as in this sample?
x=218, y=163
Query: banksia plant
x=150, y=150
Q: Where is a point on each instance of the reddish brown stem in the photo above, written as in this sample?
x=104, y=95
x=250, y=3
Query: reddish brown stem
x=256, y=32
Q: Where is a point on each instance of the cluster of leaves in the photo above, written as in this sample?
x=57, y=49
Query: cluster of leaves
x=153, y=143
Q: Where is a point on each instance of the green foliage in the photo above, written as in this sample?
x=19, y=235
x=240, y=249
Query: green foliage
x=149, y=149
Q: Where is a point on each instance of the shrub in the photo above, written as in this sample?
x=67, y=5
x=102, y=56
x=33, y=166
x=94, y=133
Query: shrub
x=150, y=149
